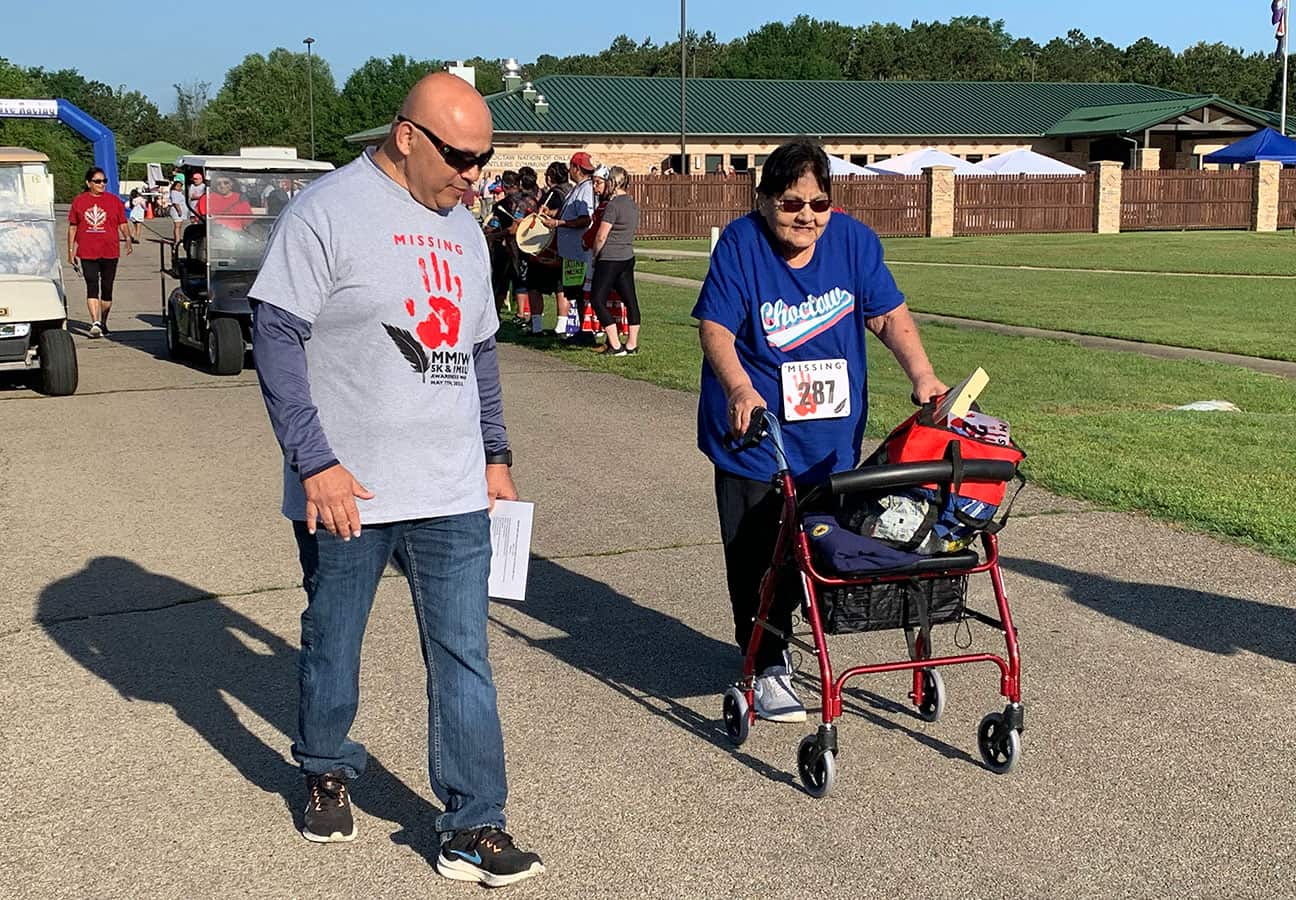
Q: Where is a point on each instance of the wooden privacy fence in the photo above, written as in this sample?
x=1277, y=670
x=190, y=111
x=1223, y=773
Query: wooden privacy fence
x=1287, y=199
x=1023, y=204
x=1172, y=200
x=689, y=206
x=684, y=206
x=892, y=205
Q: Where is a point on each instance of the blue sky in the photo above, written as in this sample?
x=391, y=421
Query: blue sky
x=125, y=44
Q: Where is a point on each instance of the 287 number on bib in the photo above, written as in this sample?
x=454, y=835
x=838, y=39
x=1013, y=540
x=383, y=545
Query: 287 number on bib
x=815, y=389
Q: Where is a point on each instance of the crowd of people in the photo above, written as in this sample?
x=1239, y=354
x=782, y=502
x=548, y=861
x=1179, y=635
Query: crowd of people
x=582, y=224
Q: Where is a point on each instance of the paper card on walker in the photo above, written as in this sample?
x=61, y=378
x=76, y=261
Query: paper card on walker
x=960, y=399
x=510, y=548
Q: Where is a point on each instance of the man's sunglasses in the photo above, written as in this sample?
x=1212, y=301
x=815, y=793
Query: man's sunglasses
x=98, y=180
x=459, y=160
x=822, y=205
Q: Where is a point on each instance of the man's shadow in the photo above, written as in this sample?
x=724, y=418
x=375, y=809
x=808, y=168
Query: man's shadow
x=1213, y=622
x=160, y=640
x=657, y=662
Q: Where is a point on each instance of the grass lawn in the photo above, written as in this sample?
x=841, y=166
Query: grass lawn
x=1247, y=316
x=1225, y=252
x=1096, y=425
x=1231, y=252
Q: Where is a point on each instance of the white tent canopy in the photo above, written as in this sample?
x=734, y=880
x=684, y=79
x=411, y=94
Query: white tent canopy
x=1024, y=161
x=839, y=166
x=913, y=162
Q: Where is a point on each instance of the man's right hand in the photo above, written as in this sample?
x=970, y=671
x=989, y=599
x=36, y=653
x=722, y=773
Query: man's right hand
x=742, y=400
x=330, y=498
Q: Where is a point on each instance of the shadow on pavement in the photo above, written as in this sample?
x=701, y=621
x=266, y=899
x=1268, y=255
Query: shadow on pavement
x=193, y=656
x=1213, y=622
x=644, y=655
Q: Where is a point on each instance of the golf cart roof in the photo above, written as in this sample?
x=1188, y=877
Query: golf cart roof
x=23, y=155
x=254, y=163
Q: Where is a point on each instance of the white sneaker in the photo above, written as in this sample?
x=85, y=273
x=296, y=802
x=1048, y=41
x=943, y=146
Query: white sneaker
x=95, y=329
x=776, y=701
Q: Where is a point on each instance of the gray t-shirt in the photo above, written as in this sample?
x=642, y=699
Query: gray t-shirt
x=396, y=295
x=580, y=202
x=623, y=215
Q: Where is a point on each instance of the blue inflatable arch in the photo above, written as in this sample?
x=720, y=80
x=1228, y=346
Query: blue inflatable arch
x=105, y=145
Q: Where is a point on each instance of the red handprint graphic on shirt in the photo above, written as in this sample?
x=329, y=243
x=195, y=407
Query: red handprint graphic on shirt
x=441, y=326
x=442, y=323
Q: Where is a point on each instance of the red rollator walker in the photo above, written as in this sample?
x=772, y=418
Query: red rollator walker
x=916, y=597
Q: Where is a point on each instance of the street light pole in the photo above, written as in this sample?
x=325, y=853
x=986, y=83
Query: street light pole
x=1282, y=121
x=684, y=162
x=310, y=91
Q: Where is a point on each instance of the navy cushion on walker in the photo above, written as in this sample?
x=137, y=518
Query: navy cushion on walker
x=848, y=553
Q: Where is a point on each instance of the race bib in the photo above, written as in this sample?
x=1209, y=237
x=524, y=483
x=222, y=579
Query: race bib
x=816, y=389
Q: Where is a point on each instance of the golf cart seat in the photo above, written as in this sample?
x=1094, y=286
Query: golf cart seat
x=191, y=268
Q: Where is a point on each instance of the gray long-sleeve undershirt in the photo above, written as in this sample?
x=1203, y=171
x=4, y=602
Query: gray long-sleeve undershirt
x=279, y=345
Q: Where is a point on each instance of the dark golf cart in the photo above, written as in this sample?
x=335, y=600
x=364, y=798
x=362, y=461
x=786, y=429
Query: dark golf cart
x=218, y=255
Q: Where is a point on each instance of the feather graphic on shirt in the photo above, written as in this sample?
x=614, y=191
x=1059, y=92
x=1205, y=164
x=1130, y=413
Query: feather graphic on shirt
x=410, y=348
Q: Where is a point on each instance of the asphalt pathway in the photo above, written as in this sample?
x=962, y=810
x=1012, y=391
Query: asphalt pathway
x=149, y=603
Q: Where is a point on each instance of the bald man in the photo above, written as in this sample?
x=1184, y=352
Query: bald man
x=374, y=333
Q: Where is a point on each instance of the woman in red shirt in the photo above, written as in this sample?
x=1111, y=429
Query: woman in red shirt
x=95, y=224
x=224, y=205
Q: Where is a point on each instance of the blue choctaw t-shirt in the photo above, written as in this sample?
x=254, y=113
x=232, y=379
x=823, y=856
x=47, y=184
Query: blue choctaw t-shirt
x=780, y=314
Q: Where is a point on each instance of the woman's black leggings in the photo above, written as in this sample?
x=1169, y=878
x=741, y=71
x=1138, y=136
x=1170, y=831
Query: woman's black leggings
x=99, y=275
x=618, y=275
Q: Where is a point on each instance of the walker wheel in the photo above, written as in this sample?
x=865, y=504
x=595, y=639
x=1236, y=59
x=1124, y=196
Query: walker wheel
x=816, y=766
x=1000, y=745
x=737, y=716
x=933, y=704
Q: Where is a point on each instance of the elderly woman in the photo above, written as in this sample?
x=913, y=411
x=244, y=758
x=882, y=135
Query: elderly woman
x=792, y=289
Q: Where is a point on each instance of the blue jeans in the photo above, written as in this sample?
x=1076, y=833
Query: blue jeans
x=447, y=563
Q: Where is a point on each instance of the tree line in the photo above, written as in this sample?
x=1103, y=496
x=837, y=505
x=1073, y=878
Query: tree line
x=265, y=98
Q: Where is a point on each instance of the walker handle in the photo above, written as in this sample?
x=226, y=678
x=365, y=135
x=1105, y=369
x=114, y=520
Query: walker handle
x=872, y=479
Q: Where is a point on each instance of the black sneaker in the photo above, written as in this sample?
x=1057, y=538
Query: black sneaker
x=328, y=809
x=103, y=326
x=486, y=855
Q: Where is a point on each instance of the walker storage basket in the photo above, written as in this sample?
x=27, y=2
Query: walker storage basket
x=893, y=604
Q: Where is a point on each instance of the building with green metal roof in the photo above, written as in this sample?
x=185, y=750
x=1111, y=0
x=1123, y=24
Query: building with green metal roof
x=735, y=123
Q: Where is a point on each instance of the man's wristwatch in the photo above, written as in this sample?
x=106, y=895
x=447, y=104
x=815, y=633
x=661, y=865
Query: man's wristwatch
x=499, y=458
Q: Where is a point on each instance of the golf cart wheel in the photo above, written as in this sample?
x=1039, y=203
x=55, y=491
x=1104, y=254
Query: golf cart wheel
x=58, y=362
x=999, y=743
x=737, y=716
x=816, y=766
x=225, y=346
x=933, y=704
x=174, y=348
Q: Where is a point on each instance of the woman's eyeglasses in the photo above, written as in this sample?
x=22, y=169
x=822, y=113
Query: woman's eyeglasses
x=98, y=180
x=459, y=160
x=822, y=205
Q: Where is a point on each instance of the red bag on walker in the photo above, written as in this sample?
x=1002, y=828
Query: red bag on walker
x=940, y=518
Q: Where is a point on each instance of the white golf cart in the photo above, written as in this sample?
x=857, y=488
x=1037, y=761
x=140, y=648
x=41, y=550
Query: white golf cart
x=33, y=306
x=219, y=254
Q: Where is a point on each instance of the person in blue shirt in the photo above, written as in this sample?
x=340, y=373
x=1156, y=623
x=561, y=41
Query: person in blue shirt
x=792, y=290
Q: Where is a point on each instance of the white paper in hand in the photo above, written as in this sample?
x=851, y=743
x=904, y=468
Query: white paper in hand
x=510, y=548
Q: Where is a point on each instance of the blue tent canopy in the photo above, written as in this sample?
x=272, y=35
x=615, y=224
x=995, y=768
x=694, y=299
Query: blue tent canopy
x=1265, y=144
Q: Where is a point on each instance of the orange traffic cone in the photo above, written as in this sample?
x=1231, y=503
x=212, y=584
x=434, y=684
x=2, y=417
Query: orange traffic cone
x=589, y=321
